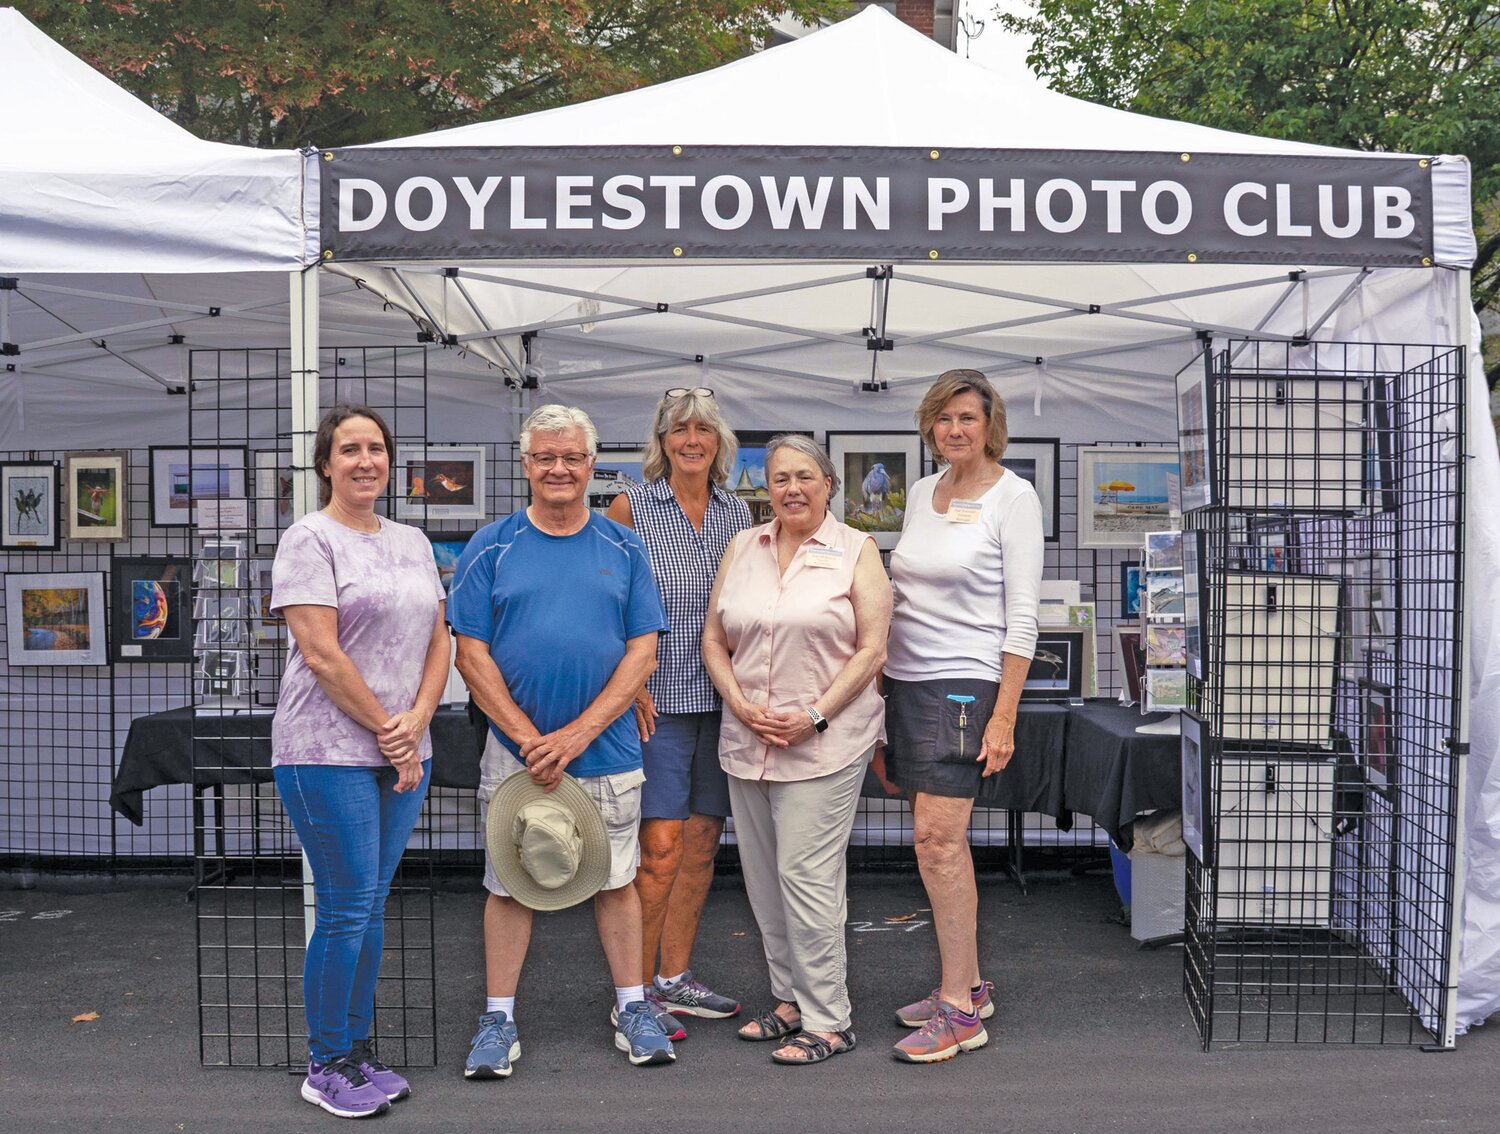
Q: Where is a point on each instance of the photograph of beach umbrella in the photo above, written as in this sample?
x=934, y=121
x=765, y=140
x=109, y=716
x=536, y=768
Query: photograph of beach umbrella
x=1123, y=494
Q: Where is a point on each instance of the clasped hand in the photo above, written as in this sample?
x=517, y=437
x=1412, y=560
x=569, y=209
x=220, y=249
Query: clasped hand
x=780, y=730
x=547, y=755
x=400, y=742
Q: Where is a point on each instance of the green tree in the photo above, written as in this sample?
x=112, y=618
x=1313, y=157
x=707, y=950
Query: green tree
x=1415, y=76
x=278, y=73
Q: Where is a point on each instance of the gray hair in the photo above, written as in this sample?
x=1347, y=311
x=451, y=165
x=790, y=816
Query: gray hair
x=801, y=443
x=672, y=412
x=559, y=419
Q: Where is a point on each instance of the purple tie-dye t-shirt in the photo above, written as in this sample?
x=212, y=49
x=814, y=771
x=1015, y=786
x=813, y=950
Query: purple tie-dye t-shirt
x=385, y=587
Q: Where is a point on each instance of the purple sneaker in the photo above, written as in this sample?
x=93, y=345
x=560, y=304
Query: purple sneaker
x=390, y=1084
x=341, y=1088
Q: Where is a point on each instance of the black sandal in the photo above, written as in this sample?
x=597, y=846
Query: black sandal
x=771, y=1026
x=817, y=1048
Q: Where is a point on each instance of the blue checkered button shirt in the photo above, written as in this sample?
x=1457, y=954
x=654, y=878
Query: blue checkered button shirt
x=684, y=562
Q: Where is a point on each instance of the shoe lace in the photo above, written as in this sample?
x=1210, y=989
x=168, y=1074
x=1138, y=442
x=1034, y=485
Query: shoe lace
x=348, y=1070
x=937, y=1022
x=362, y=1054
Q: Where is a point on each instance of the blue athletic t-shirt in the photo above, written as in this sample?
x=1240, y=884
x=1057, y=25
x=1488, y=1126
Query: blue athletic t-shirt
x=557, y=612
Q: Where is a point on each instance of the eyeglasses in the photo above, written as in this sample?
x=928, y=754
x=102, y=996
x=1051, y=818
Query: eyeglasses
x=683, y=392
x=571, y=461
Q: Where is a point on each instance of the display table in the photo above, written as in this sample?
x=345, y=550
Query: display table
x=1113, y=774
x=237, y=750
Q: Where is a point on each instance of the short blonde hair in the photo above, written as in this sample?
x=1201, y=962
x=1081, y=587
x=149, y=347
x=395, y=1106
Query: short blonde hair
x=672, y=412
x=949, y=385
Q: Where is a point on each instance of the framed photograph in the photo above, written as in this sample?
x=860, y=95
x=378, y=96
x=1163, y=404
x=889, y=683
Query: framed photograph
x=181, y=476
x=616, y=468
x=98, y=501
x=1122, y=494
x=1166, y=644
x=1165, y=690
x=1164, y=596
x=55, y=618
x=265, y=625
x=32, y=516
x=1195, y=437
x=440, y=482
x=1057, y=666
x=1195, y=780
x=151, y=611
x=446, y=548
x=877, y=469
x=1130, y=659
x=1163, y=551
x=273, y=495
x=1376, y=733
x=1369, y=625
x=1380, y=446
x=1132, y=578
x=747, y=479
x=1193, y=587
x=1273, y=543
x=1035, y=459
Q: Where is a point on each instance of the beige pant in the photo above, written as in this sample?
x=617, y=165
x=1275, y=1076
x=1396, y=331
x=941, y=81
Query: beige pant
x=793, y=839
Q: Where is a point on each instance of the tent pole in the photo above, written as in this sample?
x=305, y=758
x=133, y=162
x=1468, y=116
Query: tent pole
x=1470, y=414
x=303, y=379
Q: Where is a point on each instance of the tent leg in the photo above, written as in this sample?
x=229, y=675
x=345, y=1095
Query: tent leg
x=304, y=400
x=1463, y=325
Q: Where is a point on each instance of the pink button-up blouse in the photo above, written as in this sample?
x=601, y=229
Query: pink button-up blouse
x=789, y=636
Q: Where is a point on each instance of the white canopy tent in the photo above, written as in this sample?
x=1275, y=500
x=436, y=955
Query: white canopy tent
x=1084, y=351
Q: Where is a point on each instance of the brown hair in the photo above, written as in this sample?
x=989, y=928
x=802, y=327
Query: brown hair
x=323, y=442
x=949, y=385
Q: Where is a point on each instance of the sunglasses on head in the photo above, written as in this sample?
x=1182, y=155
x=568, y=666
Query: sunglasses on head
x=695, y=391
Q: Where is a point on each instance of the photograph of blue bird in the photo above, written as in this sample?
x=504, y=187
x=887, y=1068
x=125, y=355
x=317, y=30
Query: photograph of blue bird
x=876, y=486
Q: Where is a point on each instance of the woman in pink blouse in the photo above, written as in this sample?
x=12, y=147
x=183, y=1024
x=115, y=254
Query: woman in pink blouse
x=795, y=635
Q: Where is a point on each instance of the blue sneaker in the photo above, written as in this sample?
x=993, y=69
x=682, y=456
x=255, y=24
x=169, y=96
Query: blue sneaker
x=670, y=1025
x=639, y=1035
x=493, y=1049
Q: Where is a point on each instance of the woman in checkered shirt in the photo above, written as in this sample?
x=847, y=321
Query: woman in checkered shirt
x=686, y=518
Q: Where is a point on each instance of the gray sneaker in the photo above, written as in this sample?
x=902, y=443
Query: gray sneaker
x=494, y=1048
x=640, y=1037
x=691, y=997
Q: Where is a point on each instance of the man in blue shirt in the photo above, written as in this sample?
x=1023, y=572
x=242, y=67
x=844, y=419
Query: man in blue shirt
x=556, y=614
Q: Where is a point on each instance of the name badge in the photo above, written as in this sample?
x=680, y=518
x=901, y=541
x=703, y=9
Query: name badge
x=964, y=511
x=825, y=556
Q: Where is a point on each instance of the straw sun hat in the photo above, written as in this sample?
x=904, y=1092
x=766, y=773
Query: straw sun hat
x=549, y=849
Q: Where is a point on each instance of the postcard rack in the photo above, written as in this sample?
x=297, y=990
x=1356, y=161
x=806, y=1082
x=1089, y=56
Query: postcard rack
x=1323, y=504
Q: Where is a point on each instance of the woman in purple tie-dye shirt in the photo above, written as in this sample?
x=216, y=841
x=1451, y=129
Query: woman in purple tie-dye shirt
x=349, y=744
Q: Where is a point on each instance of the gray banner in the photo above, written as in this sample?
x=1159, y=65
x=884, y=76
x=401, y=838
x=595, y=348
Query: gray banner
x=753, y=203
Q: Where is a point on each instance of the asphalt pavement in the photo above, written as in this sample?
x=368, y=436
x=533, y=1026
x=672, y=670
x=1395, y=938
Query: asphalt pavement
x=1091, y=1033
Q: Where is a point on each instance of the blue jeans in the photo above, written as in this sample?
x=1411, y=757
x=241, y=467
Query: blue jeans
x=353, y=826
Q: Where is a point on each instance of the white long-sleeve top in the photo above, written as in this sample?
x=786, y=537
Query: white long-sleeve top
x=966, y=592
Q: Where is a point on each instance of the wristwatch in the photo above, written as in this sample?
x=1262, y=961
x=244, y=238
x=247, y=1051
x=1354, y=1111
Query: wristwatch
x=820, y=722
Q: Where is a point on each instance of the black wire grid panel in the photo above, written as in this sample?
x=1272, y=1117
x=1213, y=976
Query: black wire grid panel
x=1321, y=753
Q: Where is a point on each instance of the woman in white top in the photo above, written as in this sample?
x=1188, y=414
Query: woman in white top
x=967, y=578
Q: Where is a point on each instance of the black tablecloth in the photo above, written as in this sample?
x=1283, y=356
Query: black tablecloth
x=237, y=750
x=1113, y=773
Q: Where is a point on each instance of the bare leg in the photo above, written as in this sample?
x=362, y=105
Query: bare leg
x=507, y=934
x=618, y=915
x=700, y=842
x=940, y=830
x=661, y=858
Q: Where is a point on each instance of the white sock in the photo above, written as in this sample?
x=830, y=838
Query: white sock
x=670, y=981
x=506, y=1004
x=629, y=995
